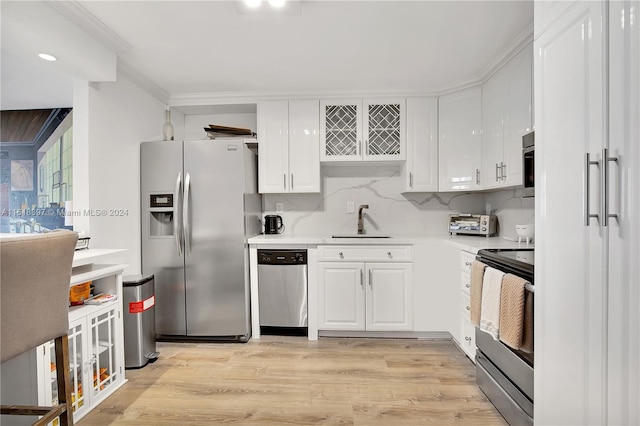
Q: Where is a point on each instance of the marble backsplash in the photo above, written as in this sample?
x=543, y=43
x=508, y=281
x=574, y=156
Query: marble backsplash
x=390, y=211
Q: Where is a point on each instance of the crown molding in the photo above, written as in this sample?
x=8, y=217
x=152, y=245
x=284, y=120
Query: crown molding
x=143, y=81
x=80, y=16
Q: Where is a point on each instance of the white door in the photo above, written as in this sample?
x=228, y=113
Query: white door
x=494, y=95
x=421, y=169
x=389, y=296
x=569, y=311
x=459, y=148
x=624, y=233
x=341, y=296
x=273, y=145
x=518, y=114
x=304, y=146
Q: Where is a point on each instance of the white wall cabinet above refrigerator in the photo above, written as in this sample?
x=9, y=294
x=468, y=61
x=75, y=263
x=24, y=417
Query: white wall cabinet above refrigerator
x=288, y=137
x=421, y=167
x=506, y=117
x=460, y=140
x=362, y=130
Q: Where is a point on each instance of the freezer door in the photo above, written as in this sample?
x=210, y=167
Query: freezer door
x=217, y=289
x=161, y=174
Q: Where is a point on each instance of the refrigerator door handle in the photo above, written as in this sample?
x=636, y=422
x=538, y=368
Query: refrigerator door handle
x=177, y=226
x=186, y=225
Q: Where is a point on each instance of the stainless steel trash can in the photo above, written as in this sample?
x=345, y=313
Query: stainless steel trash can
x=139, y=320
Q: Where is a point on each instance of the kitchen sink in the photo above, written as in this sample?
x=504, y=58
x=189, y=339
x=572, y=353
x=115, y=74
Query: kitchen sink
x=360, y=236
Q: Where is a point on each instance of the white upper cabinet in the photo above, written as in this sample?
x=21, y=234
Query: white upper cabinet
x=288, y=137
x=506, y=117
x=421, y=167
x=362, y=130
x=459, y=148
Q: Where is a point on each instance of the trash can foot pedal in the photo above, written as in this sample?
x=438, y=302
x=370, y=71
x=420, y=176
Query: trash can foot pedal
x=153, y=357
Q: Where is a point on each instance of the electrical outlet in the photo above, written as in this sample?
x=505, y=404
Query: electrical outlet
x=351, y=208
x=279, y=207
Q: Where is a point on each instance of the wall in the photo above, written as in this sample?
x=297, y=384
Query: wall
x=389, y=212
x=119, y=115
x=512, y=209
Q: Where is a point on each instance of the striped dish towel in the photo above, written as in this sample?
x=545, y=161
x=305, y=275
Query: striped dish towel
x=490, y=306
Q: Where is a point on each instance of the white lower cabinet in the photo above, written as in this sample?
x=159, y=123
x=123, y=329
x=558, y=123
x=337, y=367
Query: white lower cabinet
x=467, y=329
x=362, y=295
x=95, y=369
x=96, y=347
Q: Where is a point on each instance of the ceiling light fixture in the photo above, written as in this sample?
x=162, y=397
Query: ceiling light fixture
x=252, y=3
x=276, y=3
x=47, y=57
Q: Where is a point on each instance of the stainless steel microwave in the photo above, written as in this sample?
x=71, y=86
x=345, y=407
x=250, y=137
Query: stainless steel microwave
x=528, y=168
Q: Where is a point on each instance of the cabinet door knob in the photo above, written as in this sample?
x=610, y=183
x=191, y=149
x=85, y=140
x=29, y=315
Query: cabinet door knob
x=468, y=308
x=340, y=254
x=389, y=253
x=467, y=338
x=467, y=263
x=467, y=285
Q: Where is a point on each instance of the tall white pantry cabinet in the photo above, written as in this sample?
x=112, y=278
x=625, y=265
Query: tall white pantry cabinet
x=587, y=322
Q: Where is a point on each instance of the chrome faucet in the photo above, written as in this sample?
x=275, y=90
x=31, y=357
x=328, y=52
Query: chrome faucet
x=360, y=222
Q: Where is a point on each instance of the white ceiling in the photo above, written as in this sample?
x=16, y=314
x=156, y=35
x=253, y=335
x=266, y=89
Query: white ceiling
x=197, y=49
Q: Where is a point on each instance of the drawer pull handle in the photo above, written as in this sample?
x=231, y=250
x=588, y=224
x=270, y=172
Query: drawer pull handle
x=468, y=308
x=467, y=338
x=467, y=285
x=340, y=254
x=467, y=263
x=389, y=253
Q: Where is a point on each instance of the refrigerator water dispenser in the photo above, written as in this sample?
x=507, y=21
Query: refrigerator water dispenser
x=161, y=215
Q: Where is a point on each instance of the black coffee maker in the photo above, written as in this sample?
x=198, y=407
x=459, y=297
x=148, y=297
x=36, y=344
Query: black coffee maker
x=273, y=224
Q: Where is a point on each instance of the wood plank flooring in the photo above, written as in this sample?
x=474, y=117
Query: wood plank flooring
x=286, y=380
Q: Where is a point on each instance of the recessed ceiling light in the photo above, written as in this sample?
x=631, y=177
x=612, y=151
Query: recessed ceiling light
x=47, y=57
x=276, y=3
x=252, y=3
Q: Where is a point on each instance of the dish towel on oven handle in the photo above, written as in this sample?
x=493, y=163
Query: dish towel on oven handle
x=475, y=292
x=512, y=310
x=490, y=306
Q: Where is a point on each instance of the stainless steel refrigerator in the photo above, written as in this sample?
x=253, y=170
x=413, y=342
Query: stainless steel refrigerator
x=199, y=206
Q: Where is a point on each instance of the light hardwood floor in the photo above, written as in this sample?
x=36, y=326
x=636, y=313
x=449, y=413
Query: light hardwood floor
x=288, y=380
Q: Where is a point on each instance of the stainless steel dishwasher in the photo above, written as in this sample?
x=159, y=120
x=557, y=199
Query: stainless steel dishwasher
x=282, y=288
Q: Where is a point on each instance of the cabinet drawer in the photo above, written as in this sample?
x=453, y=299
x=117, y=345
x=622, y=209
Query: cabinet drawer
x=465, y=283
x=465, y=306
x=465, y=261
x=366, y=253
x=468, y=339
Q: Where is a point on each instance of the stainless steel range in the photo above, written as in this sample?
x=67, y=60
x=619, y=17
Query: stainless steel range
x=505, y=375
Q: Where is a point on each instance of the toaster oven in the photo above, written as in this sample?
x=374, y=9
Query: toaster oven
x=473, y=224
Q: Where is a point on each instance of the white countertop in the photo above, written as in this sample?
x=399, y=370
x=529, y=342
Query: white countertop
x=468, y=243
x=88, y=256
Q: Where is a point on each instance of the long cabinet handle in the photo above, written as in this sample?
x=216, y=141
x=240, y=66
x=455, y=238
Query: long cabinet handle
x=587, y=189
x=477, y=176
x=605, y=186
x=292, y=181
x=177, y=220
x=361, y=278
x=370, y=279
x=411, y=180
x=503, y=170
x=284, y=181
x=497, y=173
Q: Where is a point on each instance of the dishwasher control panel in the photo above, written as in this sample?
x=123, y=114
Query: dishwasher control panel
x=282, y=257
